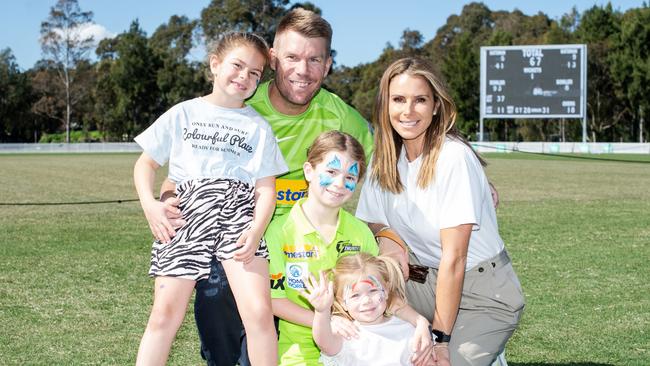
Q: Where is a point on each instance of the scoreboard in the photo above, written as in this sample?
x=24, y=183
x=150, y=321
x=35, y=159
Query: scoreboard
x=544, y=81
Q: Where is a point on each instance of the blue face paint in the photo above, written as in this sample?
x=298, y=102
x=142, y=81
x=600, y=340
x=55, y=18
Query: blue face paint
x=354, y=170
x=325, y=180
x=351, y=186
x=334, y=163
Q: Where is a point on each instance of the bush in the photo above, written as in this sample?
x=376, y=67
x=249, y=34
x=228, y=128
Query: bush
x=75, y=136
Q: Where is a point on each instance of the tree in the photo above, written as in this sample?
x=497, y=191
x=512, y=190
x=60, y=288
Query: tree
x=64, y=45
x=177, y=78
x=127, y=95
x=630, y=64
x=15, y=98
x=257, y=16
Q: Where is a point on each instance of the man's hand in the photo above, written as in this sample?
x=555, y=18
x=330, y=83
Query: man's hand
x=161, y=228
x=495, y=195
x=172, y=212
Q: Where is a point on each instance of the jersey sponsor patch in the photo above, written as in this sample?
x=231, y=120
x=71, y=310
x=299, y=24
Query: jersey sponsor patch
x=344, y=246
x=300, y=251
x=295, y=272
x=289, y=191
x=277, y=281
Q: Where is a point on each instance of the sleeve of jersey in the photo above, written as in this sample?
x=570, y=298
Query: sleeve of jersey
x=272, y=162
x=276, y=264
x=357, y=126
x=458, y=180
x=156, y=140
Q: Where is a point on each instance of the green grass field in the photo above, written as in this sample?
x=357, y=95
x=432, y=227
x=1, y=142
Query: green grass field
x=74, y=289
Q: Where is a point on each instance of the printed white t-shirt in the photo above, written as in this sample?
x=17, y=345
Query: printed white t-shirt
x=378, y=345
x=203, y=140
x=459, y=194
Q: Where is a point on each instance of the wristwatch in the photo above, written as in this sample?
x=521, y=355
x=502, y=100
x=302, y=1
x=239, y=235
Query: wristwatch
x=440, y=336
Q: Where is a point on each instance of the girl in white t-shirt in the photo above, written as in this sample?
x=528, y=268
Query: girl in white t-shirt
x=367, y=290
x=223, y=157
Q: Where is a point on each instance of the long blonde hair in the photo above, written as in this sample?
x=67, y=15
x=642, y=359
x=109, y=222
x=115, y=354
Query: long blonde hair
x=351, y=268
x=388, y=143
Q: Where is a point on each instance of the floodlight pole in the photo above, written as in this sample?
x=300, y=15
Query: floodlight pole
x=585, y=94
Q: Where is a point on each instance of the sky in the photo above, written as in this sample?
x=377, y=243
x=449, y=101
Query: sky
x=362, y=28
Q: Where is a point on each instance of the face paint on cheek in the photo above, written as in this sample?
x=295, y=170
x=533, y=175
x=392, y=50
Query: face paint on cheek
x=353, y=170
x=350, y=186
x=325, y=180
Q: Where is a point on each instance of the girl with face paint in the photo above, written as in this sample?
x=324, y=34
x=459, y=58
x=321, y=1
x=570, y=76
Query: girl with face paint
x=367, y=290
x=311, y=238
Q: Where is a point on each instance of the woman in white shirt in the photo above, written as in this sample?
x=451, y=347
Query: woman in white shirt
x=427, y=188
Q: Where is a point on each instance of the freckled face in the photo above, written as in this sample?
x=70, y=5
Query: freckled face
x=333, y=180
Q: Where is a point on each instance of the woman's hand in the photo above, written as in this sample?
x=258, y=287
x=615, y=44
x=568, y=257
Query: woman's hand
x=441, y=353
x=344, y=327
x=319, y=293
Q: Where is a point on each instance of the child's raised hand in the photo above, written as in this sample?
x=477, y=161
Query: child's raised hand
x=156, y=214
x=319, y=293
x=249, y=241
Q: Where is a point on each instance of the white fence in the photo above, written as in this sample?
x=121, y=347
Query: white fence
x=564, y=147
x=505, y=147
x=91, y=147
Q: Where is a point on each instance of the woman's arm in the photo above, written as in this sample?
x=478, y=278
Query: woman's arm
x=264, y=206
x=451, y=273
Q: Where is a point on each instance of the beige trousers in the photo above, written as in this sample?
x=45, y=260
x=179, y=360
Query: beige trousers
x=491, y=305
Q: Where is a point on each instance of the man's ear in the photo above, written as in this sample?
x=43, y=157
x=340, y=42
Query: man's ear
x=273, y=58
x=328, y=64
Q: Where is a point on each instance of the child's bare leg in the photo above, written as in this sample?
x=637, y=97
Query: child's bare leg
x=250, y=286
x=171, y=296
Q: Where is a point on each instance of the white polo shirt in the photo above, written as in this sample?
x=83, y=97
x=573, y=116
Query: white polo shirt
x=459, y=194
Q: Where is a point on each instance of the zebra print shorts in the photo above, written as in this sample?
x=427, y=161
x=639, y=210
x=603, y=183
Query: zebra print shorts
x=217, y=212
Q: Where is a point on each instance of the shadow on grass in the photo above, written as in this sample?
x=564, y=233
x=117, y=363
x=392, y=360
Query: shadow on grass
x=558, y=364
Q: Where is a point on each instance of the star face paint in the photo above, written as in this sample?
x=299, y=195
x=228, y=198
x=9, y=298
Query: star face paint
x=335, y=163
x=351, y=185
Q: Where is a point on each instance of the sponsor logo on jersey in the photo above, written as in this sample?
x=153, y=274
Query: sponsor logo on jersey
x=300, y=251
x=295, y=272
x=277, y=281
x=346, y=246
x=289, y=191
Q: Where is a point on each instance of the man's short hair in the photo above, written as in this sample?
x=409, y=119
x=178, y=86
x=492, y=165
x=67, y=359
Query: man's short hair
x=308, y=24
